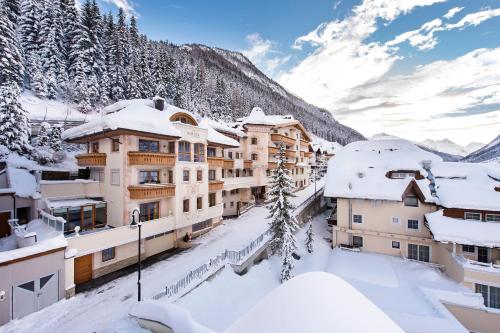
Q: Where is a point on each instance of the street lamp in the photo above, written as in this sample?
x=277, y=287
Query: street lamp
x=138, y=224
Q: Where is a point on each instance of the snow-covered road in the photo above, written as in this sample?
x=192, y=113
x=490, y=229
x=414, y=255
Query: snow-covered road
x=105, y=309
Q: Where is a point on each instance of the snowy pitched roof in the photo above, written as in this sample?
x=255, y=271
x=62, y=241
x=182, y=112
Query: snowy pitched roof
x=225, y=128
x=447, y=229
x=136, y=115
x=360, y=170
x=217, y=138
x=314, y=302
x=325, y=146
x=467, y=185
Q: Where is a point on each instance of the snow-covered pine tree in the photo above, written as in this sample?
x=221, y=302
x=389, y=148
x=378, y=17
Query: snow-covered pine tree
x=38, y=81
x=220, y=104
x=283, y=225
x=29, y=41
x=55, y=138
x=43, y=135
x=309, y=237
x=14, y=126
x=11, y=66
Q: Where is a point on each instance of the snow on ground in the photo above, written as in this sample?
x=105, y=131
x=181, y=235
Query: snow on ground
x=108, y=305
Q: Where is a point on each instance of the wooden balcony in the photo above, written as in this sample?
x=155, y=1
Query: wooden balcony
x=247, y=164
x=273, y=150
x=151, y=158
x=228, y=164
x=91, y=159
x=308, y=154
x=285, y=139
x=215, y=185
x=215, y=162
x=290, y=153
x=289, y=165
x=304, y=144
x=151, y=191
x=274, y=165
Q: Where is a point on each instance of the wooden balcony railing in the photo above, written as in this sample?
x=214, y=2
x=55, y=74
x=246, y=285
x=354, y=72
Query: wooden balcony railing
x=151, y=158
x=215, y=185
x=285, y=139
x=228, y=164
x=151, y=191
x=274, y=165
x=290, y=153
x=247, y=164
x=91, y=159
x=304, y=144
x=215, y=162
x=273, y=150
x=289, y=165
x=308, y=154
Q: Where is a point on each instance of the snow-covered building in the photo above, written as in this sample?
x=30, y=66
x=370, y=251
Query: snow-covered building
x=142, y=154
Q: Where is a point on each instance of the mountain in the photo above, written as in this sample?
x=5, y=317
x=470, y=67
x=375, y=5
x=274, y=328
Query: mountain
x=473, y=146
x=445, y=156
x=490, y=152
x=445, y=146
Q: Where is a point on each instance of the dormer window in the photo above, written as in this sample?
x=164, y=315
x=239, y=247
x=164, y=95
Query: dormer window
x=411, y=200
x=402, y=175
x=472, y=216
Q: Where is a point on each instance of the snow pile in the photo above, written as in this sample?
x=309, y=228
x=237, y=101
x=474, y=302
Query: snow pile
x=467, y=185
x=446, y=229
x=23, y=183
x=314, y=302
x=359, y=170
x=169, y=315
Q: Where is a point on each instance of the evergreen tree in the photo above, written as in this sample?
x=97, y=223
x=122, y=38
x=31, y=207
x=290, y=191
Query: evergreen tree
x=309, y=237
x=220, y=104
x=43, y=135
x=14, y=126
x=38, y=81
x=55, y=138
x=283, y=225
x=11, y=66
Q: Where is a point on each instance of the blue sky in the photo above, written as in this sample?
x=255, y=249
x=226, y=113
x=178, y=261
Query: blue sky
x=412, y=68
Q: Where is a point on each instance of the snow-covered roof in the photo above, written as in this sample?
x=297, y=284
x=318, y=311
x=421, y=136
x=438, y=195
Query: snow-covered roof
x=218, y=138
x=23, y=183
x=314, y=302
x=137, y=115
x=359, y=170
x=467, y=185
x=468, y=232
x=223, y=127
x=65, y=203
x=325, y=146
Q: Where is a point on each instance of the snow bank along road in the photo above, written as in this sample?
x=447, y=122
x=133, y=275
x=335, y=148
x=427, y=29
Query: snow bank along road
x=105, y=309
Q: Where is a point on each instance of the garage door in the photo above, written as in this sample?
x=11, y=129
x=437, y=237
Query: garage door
x=34, y=295
x=83, y=269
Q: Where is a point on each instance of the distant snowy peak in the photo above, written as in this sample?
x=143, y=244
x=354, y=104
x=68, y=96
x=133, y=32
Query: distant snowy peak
x=490, y=152
x=446, y=146
x=473, y=146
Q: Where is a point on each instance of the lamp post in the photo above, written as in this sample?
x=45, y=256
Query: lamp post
x=315, y=176
x=139, y=225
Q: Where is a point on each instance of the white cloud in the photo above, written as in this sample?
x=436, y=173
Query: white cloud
x=126, y=5
x=263, y=53
x=452, y=12
x=475, y=19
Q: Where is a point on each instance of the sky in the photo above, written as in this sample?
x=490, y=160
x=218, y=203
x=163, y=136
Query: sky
x=416, y=69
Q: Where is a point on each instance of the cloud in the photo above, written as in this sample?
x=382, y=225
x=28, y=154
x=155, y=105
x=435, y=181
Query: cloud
x=264, y=54
x=126, y=5
x=452, y=12
x=424, y=38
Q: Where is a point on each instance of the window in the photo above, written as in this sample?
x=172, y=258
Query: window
x=211, y=174
x=413, y=224
x=491, y=295
x=115, y=177
x=402, y=175
x=202, y=225
x=148, y=177
x=411, y=200
x=185, y=175
x=493, y=217
x=357, y=241
x=115, y=145
x=357, y=218
x=211, y=199
x=95, y=147
x=108, y=254
x=199, y=203
x=395, y=220
x=254, y=157
x=472, y=216
x=230, y=155
x=211, y=152
x=254, y=141
x=170, y=177
x=171, y=147
x=395, y=244
x=199, y=175
x=223, y=193
x=232, y=204
x=419, y=252
x=184, y=151
x=199, y=152
x=468, y=248
x=149, y=146
x=150, y=211
x=185, y=205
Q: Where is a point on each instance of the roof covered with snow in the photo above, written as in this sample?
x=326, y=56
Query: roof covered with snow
x=314, y=302
x=136, y=115
x=467, y=185
x=359, y=170
x=324, y=146
x=216, y=137
x=446, y=229
x=23, y=183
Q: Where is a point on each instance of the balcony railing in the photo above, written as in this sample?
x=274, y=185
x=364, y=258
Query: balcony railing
x=274, y=165
x=215, y=185
x=228, y=164
x=151, y=191
x=150, y=158
x=91, y=159
x=247, y=164
x=285, y=139
x=308, y=154
x=290, y=153
x=215, y=162
x=273, y=150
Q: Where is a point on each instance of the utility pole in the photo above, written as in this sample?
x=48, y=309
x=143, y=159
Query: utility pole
x=139, y=225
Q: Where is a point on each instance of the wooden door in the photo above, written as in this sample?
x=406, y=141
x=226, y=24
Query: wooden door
x=83, y=269
x=4, y=225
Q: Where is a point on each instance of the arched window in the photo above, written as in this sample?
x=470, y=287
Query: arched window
x=184, y=151
x=255, y=156
x=199, y=152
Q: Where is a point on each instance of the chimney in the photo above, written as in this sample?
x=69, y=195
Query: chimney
x=159, y=103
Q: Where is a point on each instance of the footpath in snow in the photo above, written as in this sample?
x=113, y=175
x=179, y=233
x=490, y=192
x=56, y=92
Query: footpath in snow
x=105, y=309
